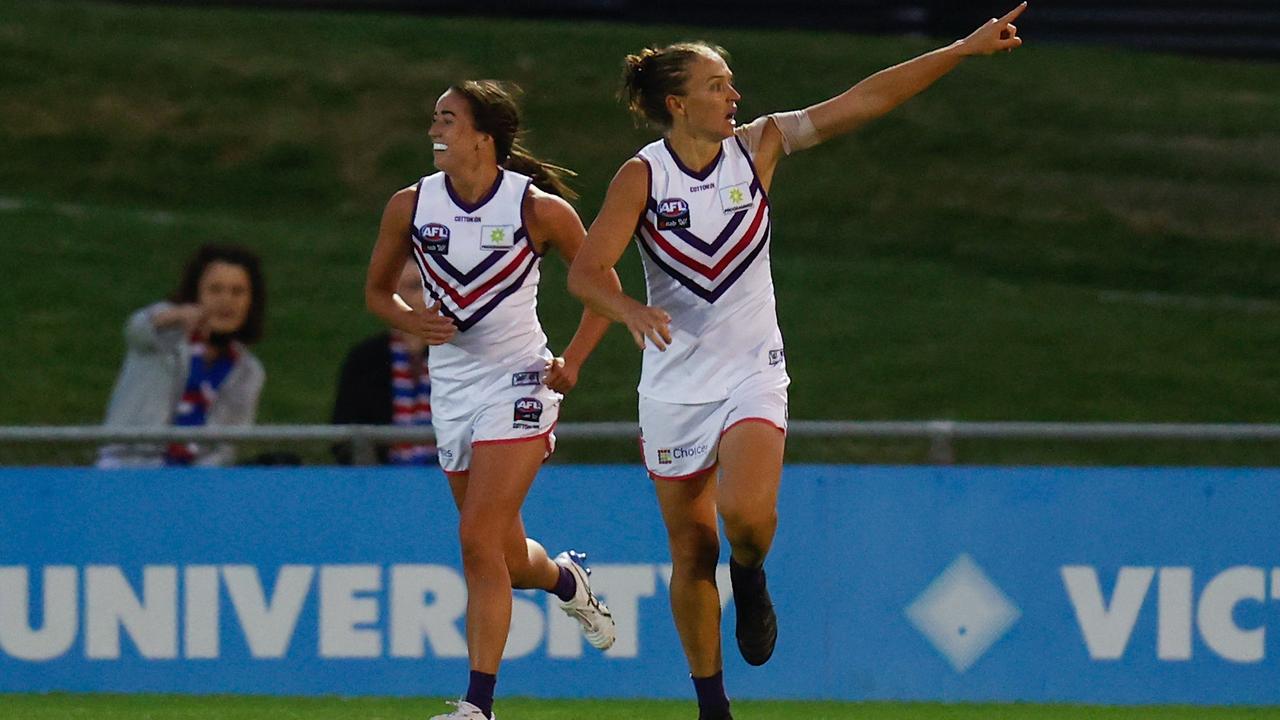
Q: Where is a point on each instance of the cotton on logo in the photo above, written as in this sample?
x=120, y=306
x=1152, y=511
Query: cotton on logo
x=1107, y=626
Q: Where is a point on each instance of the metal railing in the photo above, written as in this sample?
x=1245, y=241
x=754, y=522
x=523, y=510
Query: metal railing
x=941, y=434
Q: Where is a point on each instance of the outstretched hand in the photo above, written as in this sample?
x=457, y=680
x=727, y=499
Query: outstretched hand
x=995, y=35
x=648, y=323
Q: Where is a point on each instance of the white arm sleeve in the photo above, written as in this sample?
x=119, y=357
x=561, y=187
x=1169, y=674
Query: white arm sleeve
x=798, y=132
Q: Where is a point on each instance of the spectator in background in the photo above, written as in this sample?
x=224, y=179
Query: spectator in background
x=187, y=360
x=384, y=381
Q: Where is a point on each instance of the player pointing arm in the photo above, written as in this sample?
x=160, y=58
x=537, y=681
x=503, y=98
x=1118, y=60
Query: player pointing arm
x=770, y=137
x=713, y=383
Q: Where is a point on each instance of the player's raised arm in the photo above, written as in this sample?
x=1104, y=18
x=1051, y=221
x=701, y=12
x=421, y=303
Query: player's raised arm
x=554, y=220
x=591, y=276
x=889, y=88
x=783, y=133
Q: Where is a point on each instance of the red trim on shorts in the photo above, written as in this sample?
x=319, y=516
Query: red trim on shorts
x=766, y=421
x=682, y=478
x=545, y=437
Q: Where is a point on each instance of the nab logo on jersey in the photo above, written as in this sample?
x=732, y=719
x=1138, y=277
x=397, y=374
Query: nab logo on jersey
x=434, y=238
x=673, y=213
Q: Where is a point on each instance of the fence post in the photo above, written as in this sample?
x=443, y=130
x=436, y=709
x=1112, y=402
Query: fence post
x=942, y=450
x=362, y=449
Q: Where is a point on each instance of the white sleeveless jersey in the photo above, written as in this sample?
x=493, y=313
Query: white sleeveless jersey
x=480, y=263
x=704, y=240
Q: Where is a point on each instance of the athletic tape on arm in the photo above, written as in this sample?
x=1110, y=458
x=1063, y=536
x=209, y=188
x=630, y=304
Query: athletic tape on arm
x=798, y=132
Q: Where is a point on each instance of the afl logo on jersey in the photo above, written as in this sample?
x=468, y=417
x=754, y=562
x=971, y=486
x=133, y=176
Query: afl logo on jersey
x=673, y=213
x=434, y=238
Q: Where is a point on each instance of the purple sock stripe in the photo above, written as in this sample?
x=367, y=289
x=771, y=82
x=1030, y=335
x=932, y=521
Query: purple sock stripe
x=480, y=691
x=566, y=586
x=712, y=700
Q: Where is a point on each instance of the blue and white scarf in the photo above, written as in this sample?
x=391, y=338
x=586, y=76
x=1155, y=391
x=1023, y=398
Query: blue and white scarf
x=410, y=404
x=198, y=395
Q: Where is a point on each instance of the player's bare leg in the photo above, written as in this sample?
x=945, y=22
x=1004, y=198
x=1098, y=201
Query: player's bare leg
x=689, y=511
x=494, y=561
x=566, y=577
x=500, y=477
x=751, y=469
x=750, y=472
x=528, y=563
x=489, y=499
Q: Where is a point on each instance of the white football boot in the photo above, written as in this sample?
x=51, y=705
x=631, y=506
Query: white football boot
x=464, y=711
x=585, y=607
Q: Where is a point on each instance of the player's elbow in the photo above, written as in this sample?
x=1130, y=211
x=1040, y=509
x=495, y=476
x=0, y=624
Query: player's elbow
x=579, y=280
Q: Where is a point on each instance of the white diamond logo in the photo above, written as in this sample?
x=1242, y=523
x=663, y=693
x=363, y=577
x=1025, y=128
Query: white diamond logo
x=962, y=613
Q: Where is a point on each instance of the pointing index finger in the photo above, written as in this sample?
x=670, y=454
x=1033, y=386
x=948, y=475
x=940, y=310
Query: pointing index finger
x=1014, y=13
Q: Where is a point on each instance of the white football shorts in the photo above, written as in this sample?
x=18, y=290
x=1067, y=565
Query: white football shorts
x=680, y=442
x=508, y=414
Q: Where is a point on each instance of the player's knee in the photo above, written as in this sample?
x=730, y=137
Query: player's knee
x=749, y=524
x=695, y=549
x=479, y=541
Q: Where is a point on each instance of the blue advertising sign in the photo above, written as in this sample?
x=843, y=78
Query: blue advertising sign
x=954, y=584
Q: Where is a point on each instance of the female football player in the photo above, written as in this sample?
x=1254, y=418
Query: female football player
x=713, y=384
x=477, y=230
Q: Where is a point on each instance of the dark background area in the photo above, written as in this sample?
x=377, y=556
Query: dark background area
x=1240, y=28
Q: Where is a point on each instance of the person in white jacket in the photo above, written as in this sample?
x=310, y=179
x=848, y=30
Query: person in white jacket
x=187, y=361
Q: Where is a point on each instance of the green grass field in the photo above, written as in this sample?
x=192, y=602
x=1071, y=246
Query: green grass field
x=1059, y=234
x=110, y=707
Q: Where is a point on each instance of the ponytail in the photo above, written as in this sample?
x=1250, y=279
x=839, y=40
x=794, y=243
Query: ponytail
x=494, y=110
x=546, y=176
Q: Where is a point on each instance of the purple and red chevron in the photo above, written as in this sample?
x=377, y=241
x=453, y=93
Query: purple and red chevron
x=709, y=269
x=467, y=297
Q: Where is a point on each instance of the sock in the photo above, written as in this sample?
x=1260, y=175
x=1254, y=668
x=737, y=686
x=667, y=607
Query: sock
x=480, y=691
x=567, y=586
x=745, y=578
x=713, y=704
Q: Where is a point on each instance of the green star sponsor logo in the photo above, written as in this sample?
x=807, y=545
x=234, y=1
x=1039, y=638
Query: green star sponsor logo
x=497, y=235
x=736, y=196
